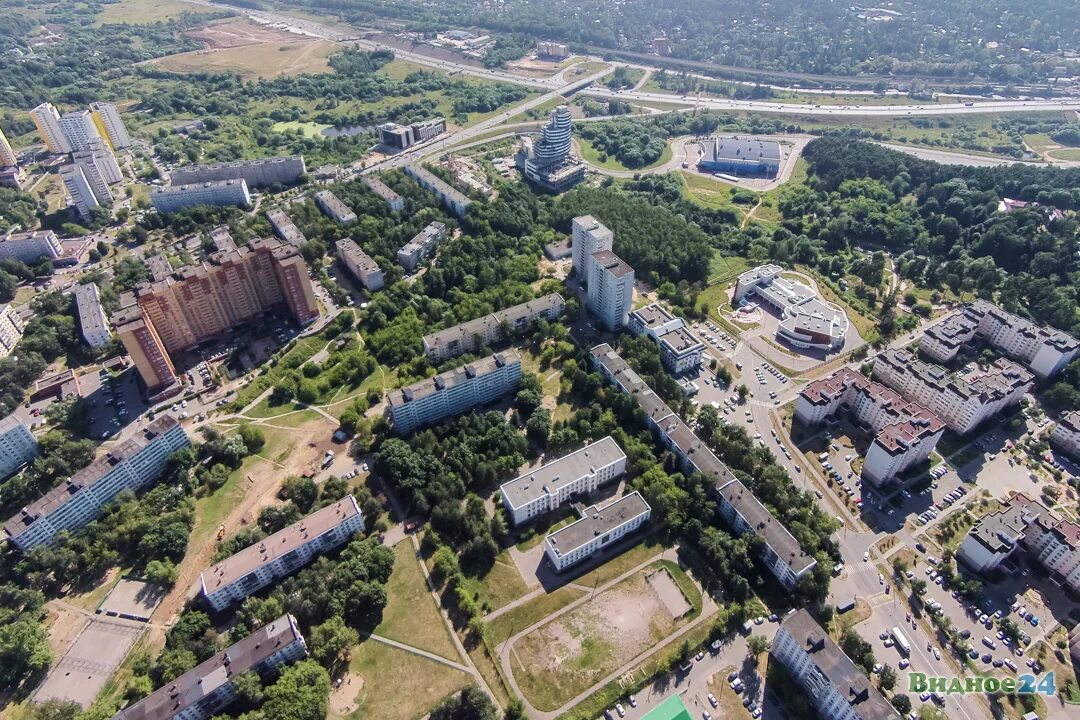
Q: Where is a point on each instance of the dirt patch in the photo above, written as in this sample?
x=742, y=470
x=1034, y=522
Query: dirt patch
x=64, y=623
x=343, y=696
x=237, y=33
x=668, y=593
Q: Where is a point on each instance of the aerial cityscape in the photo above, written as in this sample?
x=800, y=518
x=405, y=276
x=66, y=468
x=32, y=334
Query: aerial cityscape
x=539, y=360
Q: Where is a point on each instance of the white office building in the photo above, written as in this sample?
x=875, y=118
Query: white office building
x=18, y=446
x=806, y=320
x=550, y=486
x=79, y=190
x=47, y=121
x=906, y=433
x=256, y=566
x=333, y=208
x=79, y=129
x=110, y=125
x=471, y=335
x=598, y=529
x=133, y=464
x=377, y=186
x=221, y=192
x=360, y=264
x=680, y=350
x=96, y=330
x=11, y=330
x=611, y=289
x=589, y=236
x=210, y=687
x=421, y=246
x=1066, y=435
x=963, y=402
x=454, y=391
x=453, y=199
x=30, y=247
x=828, y=677
x=1044, y=350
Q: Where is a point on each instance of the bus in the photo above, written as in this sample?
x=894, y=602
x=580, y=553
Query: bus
x=725, y=176
x=901, y=641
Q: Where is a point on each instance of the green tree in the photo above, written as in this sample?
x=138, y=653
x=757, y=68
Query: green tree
x=253, y=438
x=24, y=651
x=902, y=703
x=302, y=692
x=757, y=645
x=887, y=678
x=330, y=642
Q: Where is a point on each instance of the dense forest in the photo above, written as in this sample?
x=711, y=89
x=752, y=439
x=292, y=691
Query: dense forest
x=997, y=40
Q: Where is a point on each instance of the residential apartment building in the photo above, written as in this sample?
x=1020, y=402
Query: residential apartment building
x=97, y=155
x=92, y=321
x=611, y=289
x=470, y=336
x=589, y=236
x=360, y=264
x=256, y=566
x=285, y=228
x=547, y=160
x=1044, y=350
x=552, y=50
x=11, y=329
x=598, y=528
x=109, y=124
x=905, y=433
x=8, y=158
x=133, y=464
x=553, y=484
x=79, y=190
x=256, y=173
x=421, y=246
x=211, y=687
x=201, y=302
x=1066, y=435
x=680, y=350
x=781, y=552
x=828, y=677
x=218, y=192
x=334, y=209
x=31, y=247
x=12, y=177
x=1024, y=523
x=79, y=129
x=452, y=198
x=454, y=391
x=18, y=446
x=222, y=239
x=962, y=402
x=47, y=121
x=377, y=186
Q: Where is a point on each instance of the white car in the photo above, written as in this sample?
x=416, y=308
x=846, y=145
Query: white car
x=712, y=700
x=866, y=556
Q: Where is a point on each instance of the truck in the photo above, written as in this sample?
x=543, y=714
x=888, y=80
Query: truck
x=901, y=642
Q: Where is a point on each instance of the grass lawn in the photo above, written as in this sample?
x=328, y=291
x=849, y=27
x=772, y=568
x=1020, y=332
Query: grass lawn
x=138, y=12
x=619, y=564
x=310, y=129
x=263, y=60
x=592, y=156
x=297, y=419
x=397, y=685
x=268, y=409
x=1066, y=154
x=411, y=616
x=501, y=586
x=400, y=69
x=504, y=626
x=722, y=267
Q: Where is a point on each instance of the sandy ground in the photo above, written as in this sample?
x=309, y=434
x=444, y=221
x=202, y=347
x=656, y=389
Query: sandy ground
x=237, y=33
x=343, y=697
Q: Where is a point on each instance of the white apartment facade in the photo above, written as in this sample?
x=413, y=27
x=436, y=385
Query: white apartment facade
x=906, y=433
x=1066, y=435
x=454, y=392
x=47, y=121
x=421, y=246
x=597, y=529
x=8, y=158
x=550, y=486
x=589, y=236
x=133, y=464
x=285, y=170
x=377, y=186
x=96, y=330
x=79, y=129
x=102, y=158
x=961, y=403
x=30, y=247
x=680, y=350
x=360, y=264
x=471, y=335
x=18, y=445
x=453, y=199
x=219, y=192
x=256, y=566
x=611, y=289
x=110, y=124
x=334, y=208
x=11, y=329
x=1043, y=349
x=80, y=192
x=828, y=677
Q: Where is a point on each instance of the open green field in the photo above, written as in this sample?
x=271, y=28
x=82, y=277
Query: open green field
x=310, y=129
x=391, y=684
x=138, y=12
x=501, y=586
x=411, y=616
x=264, y=60
x=563, y=658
